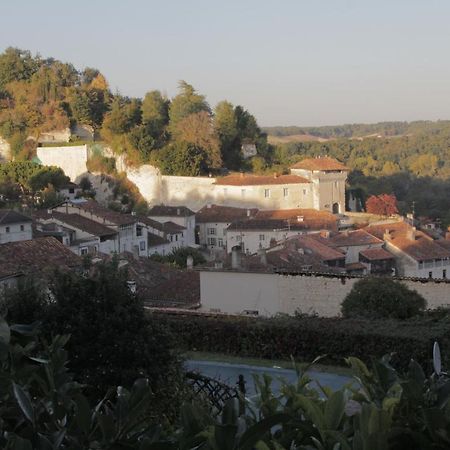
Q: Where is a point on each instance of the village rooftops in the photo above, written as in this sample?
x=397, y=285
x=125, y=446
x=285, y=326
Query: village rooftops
x=353, y=238
x=154, y=240
x=95, y=209
x=79, y=222
x=414, y=243
x=170, y=211
x=242, y=179
x=172, y=228
x=223, y=214
x=310, y=244
x=36, y=256
x=8, y=216
x=322, y=164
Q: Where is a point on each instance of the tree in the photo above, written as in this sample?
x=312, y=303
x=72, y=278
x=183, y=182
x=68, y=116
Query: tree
x=383, y=204
x=382, y=297
x=225, y=124
x=155, y=113
x=185, y=103
x=197, y=130
x=47, y=175
x=15, y=65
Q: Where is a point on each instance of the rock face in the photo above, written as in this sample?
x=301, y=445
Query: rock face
x=83, y=132
x=55, y=136
x=5, y=150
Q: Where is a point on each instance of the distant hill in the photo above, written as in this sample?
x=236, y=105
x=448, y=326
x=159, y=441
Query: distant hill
x=357, y=130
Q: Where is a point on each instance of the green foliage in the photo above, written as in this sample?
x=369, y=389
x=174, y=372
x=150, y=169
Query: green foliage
x=16, y=64
x=187, y=102
x=382, y=297
x=179, y=257
x=306, y=337
x=112, y=341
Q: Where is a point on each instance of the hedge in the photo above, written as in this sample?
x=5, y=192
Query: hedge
x=304, y=338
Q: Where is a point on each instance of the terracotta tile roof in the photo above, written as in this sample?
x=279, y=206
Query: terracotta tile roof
x=182, y=287
x=225, y=214
x=376, y=254
x=259, y=180
x=82, y=223
x=324, y=164
x=150, y=222
x=355, y=266
x=422, y=248
x=353, y=238
x=292, y=219
x=154, y=240
x=163, y=210
x=8, y=216
x=311, y=243
x=36, y=256
x=95, y=208
x=171, y=227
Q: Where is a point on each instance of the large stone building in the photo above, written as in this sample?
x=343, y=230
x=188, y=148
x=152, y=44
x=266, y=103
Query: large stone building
x=317, y=183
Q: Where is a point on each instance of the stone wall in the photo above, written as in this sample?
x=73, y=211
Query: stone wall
x=71, y=159
x=269, y=294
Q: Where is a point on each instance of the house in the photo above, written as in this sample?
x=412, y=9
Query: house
x=36, y=258
x=248, y=150
x=179, y=215
x=328, y=177
x=70, y=191
x=84, y=236
x=14, y=226
x=131, y=235
x=268, y=227
x=213, y=221
x=416, y=254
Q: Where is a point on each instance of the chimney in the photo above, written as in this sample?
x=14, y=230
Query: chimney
x=242, y=174
x=248, y=213
x=178, y=211
x=236, y=258
x=300, y=218
x=208, y=205
x=50, y=211
x=387, y=236
x=133, y=213
x=275, y=175
x=325, y=234
x=301, y=251
x=262, y=255
x=411, y=233
x=189, y=262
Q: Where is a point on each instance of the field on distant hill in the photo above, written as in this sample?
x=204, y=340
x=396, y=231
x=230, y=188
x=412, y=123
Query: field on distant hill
x=294, y=138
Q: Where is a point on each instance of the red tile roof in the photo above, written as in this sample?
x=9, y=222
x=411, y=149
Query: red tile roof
x=376, y=254
x=259, y=180
x=323, y=164
x=164, y=210
x=353, y=238
x=171, y=228
x=8, y=216
x=36, y=256
x=223, y=214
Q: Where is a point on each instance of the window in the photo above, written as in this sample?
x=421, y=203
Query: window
x=430, y=274
x=71, y=191
x=212, y=241
x=7, y=229
x=444, y=274
x=83, y=251
x=176, y=237
x=262, y=237
x=242, y=192
x=220, y=243
x=138, y=231
x=142, y=245
x=304, y=191
x=212, y=231
x=285, y=192
x=266, y=193
x=22, y=228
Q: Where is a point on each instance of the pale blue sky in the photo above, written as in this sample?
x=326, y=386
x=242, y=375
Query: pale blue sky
x=290, y=62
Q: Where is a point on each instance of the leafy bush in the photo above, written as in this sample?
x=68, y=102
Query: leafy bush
x=306, y=337
x=179, y=257
x=382, y=297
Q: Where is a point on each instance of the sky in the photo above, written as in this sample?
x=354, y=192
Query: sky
x=289, y=62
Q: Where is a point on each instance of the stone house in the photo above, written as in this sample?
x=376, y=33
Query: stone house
x=14, y=226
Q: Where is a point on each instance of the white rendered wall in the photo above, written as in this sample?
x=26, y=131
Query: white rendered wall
x=15, y=234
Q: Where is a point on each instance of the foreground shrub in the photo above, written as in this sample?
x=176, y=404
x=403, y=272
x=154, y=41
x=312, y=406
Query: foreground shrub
x=382, y=297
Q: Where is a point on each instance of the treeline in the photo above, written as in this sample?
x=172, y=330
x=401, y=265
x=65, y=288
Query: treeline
x=182, y=135
x=384, y=129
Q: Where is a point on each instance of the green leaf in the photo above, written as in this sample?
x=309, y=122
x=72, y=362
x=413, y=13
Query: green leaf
x=334, y=410
x=24, y=401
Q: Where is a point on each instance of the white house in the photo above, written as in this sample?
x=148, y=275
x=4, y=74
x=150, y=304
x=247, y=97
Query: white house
x=179, y=215
x=269, y=227
x=14, y=226
x=214, y=220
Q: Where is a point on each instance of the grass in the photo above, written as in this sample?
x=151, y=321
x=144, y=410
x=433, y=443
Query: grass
x=283, y=364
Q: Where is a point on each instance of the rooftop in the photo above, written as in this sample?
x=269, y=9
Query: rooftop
x=8, y=216
x=376, y=254
x=171, y=227
x=354, y=238
x=227, y=214
x=154, y=240
x=325, y=164
x=242, y=179
x=36, y=256
x=163, y=210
